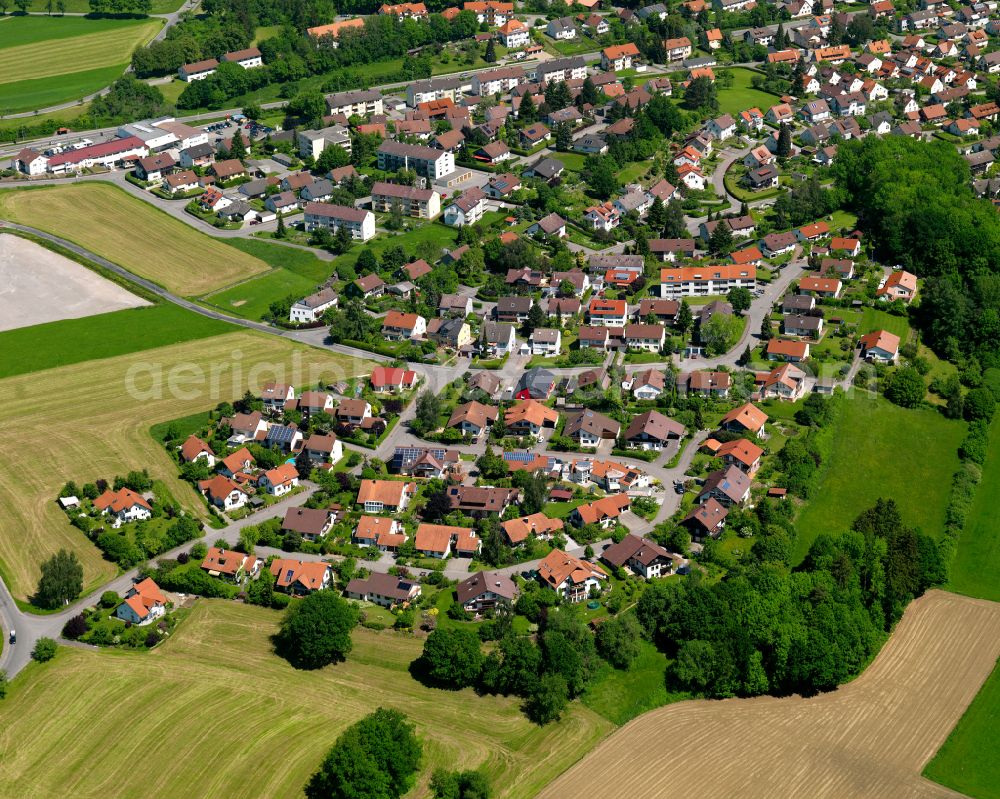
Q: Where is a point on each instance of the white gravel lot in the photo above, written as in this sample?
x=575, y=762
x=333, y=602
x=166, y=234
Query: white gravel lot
x=38, y=285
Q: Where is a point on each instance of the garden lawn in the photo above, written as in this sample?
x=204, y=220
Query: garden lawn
x=151, y=244
x=219, y=714
x=634, y=171
x=172, y=90
x=92, y=419
x=975, y=569
x=294, y=259
x=46, y=346
x=968, y=760
x=44, y=61
x=874, y=319
x=437, y=233
x=881, y=450
x=741, y=95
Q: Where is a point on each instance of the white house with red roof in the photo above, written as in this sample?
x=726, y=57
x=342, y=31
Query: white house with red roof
x=279, y=481
x=144, y=603
x=391, y=379
x=125, y=505
x=224, y=493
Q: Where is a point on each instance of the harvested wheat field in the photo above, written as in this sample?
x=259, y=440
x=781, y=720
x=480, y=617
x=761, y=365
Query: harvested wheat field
x=215, y=713
x=92, y=419
x=152, y=245
x=870, y=738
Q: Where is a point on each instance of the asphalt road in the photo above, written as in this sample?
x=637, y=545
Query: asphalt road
x=31, y=626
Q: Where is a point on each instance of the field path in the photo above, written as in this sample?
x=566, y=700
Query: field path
x=869, y=738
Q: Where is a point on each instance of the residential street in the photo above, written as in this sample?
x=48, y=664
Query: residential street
x=31, y=626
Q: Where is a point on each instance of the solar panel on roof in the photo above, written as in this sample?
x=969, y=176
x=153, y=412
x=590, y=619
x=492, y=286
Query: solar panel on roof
x=519, y=457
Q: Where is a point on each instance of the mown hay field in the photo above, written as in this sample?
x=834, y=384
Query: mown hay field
x=869, y=738
x=213, y=712
x=133, y=234
x=64, y=45
x=48, y=60
x=83, y=421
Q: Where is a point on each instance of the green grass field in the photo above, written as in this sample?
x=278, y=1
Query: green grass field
x=741, y=95
x=296, y=272
x=880, y=450
x=620, y=696
x=969, y=760
x=216, y=713
x=32, y=349
x=252, y=298
x=45, y=61
x=975, y=571
x=153, y=244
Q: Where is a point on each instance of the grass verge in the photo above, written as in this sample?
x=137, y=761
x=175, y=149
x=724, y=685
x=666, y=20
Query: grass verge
x=975, y=570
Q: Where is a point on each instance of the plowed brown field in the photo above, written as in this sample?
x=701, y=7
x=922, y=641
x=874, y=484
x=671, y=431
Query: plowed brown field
x=870, y=738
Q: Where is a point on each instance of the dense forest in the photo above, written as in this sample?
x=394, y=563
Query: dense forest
x=914, y=201
x=768, y=628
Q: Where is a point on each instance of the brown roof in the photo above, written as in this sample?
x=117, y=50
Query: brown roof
x=531, y=411
x=610, y=506
x=595, y=423
x=309, y=574
x=634, y=547
x=120, y=500
x=193, y=447
x=655, y=425
x=478, y=584
x=228, y=168
x=219, y=487
x=708, y=514
x=223, y=561
x=437, y=537
x=481, y=498
x=386, y=585
x=731, y=481
x=234, y=462
x=787, y=347
x=308, y=521
x=882, y=339
x=742, y=450
x=417, y=269
x=704, y=381
x=475, y=413
x=749, y=416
